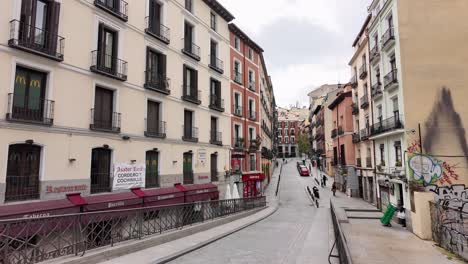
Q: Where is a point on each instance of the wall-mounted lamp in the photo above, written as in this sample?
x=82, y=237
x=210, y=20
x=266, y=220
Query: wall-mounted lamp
x=174, y=162
x=155, y=149
x=29, y=141
x=133, y=161
x=71, y=160
x=125, y=137
x=216, y=153
x=105, y=146
x=190, y=151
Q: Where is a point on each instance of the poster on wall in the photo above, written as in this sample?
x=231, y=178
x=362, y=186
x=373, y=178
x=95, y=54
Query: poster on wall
x=202, y=156
x=128, y=176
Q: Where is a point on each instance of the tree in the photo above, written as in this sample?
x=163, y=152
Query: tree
x=303, y=143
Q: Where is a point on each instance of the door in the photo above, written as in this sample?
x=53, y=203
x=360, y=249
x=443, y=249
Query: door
x=103, y=108
x=100, y=170
x=214, y=167
x=152, y=172
x=343, y=157
x=361, y=186
x=107, y=49
x=22, y=179
x=188, y=124
x=371, y=190
x=153, y=117
x=153, y=68
x=214, y=55
x=214, y=129
x=29, y=93
x=188, y=37
x=155, y=17
x=187, y=168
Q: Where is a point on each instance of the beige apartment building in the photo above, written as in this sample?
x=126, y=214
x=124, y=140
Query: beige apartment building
x=266, y=119
x=362, y=115
x=90, y=85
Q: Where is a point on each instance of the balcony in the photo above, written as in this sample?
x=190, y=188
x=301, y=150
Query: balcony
x=252, y=116
x=388, y=39
x=376, y=90
x=190, y=49
x=358, y=163
x=108, y=65
x=254, y=146
x=216, y=138
x=35, y=40
x=237, y=110
x=252, y=85
x=364, y=101
x=353, y=81
x=157, y=82
x=356, y=137
x=190, y=134
x=239, y=144
x=374, y=56
x=155, y=129
x=237, y=77
x=368, y=162
x=364, y=134
x=216, y=103
x=334, y=133
x=355, y=109
x=340, y=130
x=102, y=123
x=39, y=111
x=391, y=80
x=216, y=64
x=158, y=31
x=191, y=95
x=363, y=71
x=117, y=8
x=389, y=124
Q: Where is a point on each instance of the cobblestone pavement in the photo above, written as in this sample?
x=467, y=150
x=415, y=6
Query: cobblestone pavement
x=297, y=233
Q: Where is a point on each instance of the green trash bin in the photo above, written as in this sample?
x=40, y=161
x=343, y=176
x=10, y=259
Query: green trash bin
x=387, y=217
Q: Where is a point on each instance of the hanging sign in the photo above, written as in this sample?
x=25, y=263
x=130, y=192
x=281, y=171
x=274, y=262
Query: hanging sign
x=128, y=176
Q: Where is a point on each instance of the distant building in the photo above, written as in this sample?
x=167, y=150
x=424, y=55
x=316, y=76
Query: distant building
x=288, y=130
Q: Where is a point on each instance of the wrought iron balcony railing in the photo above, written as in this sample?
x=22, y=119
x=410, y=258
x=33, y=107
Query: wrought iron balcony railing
x=355, y=109
x=216, y=137
x=334, y=133
x=157, y=82
x=391, y=79
x=374, y=53
x=363, y=71
x=38, y=111
x=36, y=40
x=353, y=81
x=108, y=65
x=237, y=77
x=155, y=129
x=191, y=95
x=191, y=49
x=190, y=133
x=105, y=123
x=158, y=30
x=365, y=133
x=239, y=143
x=388, y=37
x=118, y=8
x=238, y=110
x=389, y=124
x=216, y=103
x=216, y=64
x=356, y=137
x=252, y=115
x=376, y=90
x=252, y=85
x=364, y=101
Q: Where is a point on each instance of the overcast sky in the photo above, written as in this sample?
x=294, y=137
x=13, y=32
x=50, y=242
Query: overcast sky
x=307, y=43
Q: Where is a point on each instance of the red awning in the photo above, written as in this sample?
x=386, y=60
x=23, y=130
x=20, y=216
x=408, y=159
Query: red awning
x=201, y=192
x=38, y=209
x=76, y=199
x=257, y=176
x=163, y=196
x=138, y=192
x=112, y=201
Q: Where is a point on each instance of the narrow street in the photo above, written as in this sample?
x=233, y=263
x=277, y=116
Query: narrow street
x=297, y=233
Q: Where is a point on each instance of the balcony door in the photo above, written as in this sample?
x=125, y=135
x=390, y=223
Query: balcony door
x=214, y=127
x=29, y=93
x=213, y=52
x=155, y=68
x=214, y=167
x=103, y=108
x=107, y=49
x=342, y=155
x=100, y=170
x=188, y=37
x=22, y=179
x=155, y=17
x=153, y=117
x=190, y=79
x=188, y=123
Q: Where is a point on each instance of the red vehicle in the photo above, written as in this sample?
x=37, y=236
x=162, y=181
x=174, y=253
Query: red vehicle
x=303, y=171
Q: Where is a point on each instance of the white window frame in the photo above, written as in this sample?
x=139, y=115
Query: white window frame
x=237, y=43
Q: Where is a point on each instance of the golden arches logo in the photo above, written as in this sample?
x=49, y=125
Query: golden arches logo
x=35, y=84
x=20, y=80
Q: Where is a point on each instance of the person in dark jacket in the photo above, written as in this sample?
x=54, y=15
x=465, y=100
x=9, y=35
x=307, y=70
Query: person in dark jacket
x=324, y=178
x=334, y=189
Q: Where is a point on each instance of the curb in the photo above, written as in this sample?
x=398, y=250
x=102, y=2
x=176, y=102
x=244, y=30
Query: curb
x=212, y=240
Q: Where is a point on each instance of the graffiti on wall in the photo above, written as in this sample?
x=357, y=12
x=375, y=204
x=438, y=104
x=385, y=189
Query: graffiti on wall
x=454, y=196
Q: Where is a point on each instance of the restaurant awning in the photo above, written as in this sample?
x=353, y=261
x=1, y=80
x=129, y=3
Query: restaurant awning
x=254, y=176
x=200, y=192
x=163, y=196
x=112, y=201
x=38, y=209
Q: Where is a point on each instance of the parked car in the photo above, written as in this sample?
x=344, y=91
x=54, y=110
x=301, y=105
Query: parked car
x=303, y=171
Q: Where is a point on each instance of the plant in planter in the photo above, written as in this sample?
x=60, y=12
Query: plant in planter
x=398, y=164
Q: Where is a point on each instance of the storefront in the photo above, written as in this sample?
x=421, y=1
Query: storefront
x=253, y=184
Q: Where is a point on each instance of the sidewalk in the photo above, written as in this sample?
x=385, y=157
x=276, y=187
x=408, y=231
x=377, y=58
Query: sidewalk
x=370, y=242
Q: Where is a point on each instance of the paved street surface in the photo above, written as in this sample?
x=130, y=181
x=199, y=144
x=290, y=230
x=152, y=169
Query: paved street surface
x=297, y=233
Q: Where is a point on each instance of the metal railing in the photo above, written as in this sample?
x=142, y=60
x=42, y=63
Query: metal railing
x=376, y=89
x=252, y=115
x=358, y=162
x=155, y=129
x=369, y=162
x=157, y=82
x=252, y=85
x=354, y=108
x=237, y=77
x=334, y=133
x=108, y=65
x=191, y=49
x=353, y=81
x=363, y=71
x=216, y=102
x=381, y=126
x=365, y=134
x=118, y=8
x=364, y=101
x=191, y=95
x=356, y=137
x=111, y=124
x=33, y=240
x=387, y=36
x=22, y=188
x=190, y=133
x=158, y=30
x=238, y=110
x=239, y=143
x=36, y=40
x=30, y=110
x=216, y=64
x=216, y=137
x=391, y=78
x=374, y=52
x=344, y=254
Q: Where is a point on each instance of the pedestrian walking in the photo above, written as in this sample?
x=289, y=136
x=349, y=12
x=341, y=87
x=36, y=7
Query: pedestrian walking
x=324, y=178
x=334, y=189
x=401, y=216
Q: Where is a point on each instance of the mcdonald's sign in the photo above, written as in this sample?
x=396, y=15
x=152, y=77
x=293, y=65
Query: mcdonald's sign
x=35, y=84
x=20, y=79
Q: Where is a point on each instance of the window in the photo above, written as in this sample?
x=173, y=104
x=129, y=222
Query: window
x=251, y=80
x=187, y=168
x=103, y=116
x=213, y=52
x=253, y=162
x=213, y=21
x=237, y=104
x=215, y=94
x=252, y=114
x=237, y=132
x=152, y=169
x=390, y=21
x=292, y=140
x=156, y=71
x=250, y=54
x=251, y=133
x=189, y=5
x=190, y=80
x=214, y=167
x=335, y=156
x=22, y=177
x=286, y=140
x=107, y=49
x=154, y=126
x=189, y=46
x=395, y=105
x=379, y=113
x=236, y=43
x=215, y=135
x=100, y=170
x=393, y=62
x=342, y=155
x=28, y=101
x=398, y=157
x=382, y=154
x=237, y=72
x=190, y=132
